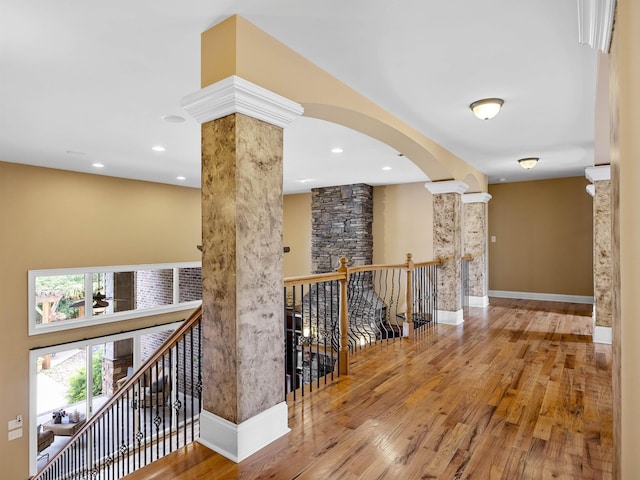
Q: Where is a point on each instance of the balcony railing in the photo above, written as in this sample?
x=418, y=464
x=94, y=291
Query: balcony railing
x=156, y=411
x=328, y=315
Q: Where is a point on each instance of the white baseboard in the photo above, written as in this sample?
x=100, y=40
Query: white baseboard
x=237, y=442
x=549, y=297
x=446, y=317
x=602, y=335
x=478, y=301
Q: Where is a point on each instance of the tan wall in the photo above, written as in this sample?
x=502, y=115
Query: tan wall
x=544, y=237
x=625, y=153
x=297, y=234
x=402, y=223
x=58, y=219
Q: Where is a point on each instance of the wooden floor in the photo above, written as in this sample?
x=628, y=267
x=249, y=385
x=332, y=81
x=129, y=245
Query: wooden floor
x=517, y=392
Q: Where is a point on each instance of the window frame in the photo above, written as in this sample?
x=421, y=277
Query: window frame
x=91, y=320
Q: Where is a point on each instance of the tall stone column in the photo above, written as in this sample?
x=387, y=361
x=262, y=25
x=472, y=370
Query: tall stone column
x=476, y=226
x=244, y=408
x=600, y=177
x=447, y=245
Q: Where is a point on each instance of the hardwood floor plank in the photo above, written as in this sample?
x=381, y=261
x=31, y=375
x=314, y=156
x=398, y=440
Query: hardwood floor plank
x=517, y=392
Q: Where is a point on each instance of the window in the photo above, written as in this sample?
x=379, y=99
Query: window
x=58, y=299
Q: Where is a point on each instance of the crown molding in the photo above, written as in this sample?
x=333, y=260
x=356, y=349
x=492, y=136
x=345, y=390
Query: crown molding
x=237, y=95
x=446, y=186
x=599, y=173
x=595, y=23
x=481, y=197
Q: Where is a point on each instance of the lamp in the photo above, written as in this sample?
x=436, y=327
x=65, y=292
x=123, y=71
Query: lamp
x=486, y=108
x=528, y=163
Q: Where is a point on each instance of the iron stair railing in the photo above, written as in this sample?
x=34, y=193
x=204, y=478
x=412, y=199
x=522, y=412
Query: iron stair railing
x=153, y=413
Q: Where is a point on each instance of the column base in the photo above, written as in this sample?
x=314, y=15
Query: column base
x=602, y=335
x=446, y=317
x=478, y=301
x=237, y=442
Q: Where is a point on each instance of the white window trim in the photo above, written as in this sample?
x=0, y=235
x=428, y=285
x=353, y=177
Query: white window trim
x=91, y=320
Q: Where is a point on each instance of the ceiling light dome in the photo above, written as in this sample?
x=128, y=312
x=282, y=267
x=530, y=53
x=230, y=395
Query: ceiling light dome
x=486, y=108
x=528, y=163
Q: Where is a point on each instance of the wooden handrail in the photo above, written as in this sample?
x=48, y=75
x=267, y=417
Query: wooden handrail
x=315, y=278
x=429, y=263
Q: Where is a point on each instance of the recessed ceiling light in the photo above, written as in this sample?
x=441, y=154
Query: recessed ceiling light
x=503, y=179
x=158, y=148
x=97, y=165
x=336, y=150
x=386, y=168
x=180, y=177
x=172, y=118
x=305, y=180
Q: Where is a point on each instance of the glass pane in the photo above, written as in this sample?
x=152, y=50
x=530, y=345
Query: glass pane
x=151, y=342
x=59, y=297
x=100, y=303
x=61, y=398
x=154, y=288
x=106, y=371
x=190, y=284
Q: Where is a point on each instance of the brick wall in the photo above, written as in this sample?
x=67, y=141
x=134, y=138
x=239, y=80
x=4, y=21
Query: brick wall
x=154, y=288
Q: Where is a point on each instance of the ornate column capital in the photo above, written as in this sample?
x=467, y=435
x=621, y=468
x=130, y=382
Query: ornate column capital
x=446, y=186
x=476, y=197
x=237, y=95
x=599, y=173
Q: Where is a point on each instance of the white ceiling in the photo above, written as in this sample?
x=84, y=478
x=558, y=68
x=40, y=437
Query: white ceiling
x=84, y=82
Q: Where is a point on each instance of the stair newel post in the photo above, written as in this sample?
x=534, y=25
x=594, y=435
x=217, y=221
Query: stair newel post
x=344, y=318
x=408, y=329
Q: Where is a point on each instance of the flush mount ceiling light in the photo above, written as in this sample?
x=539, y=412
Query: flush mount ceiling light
x=528, y=163
x=181, y=177
x=97, y=165
x=158, y=148
x=386, y=169
x=486, y=108
x=336, y=150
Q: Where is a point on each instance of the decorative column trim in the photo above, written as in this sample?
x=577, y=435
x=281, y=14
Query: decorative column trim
x=237, y=442
x=599, y=173
x=445, y=317
x=446, y=186
x=476, y=197
x=595, y=23
x=237, y=95
x=591, y=189
x=602, y=335
x=479, y=301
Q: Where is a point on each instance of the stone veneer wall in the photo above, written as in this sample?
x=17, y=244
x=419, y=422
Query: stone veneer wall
x=341, y=226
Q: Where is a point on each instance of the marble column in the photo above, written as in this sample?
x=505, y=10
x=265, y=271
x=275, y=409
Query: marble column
x=600, y=177
x=475, y=243
x=447, y=245
x=243, y=360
